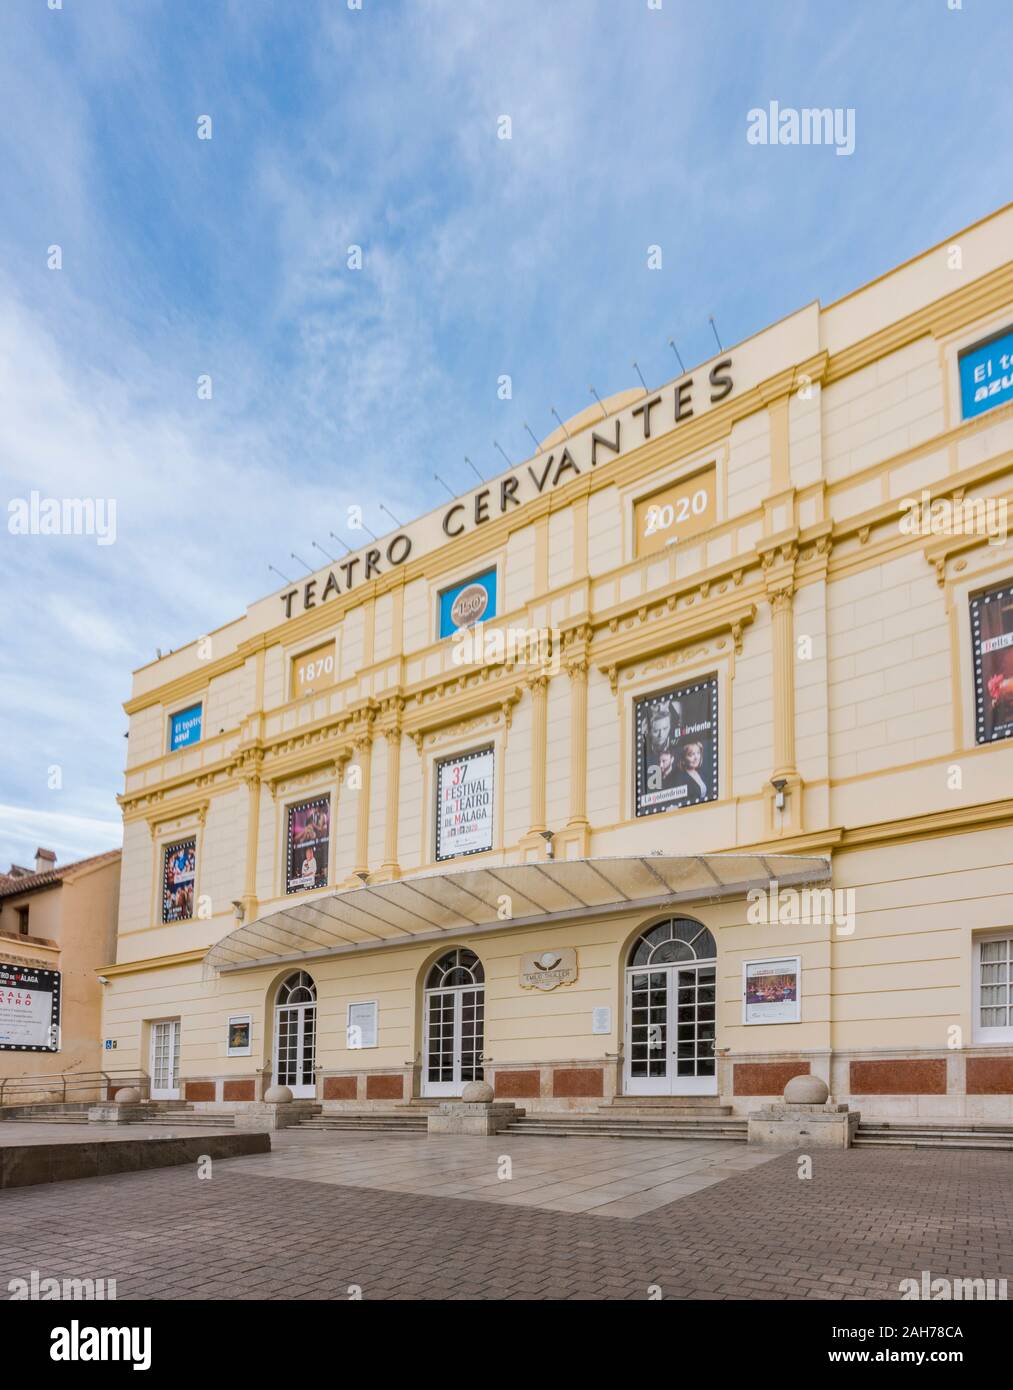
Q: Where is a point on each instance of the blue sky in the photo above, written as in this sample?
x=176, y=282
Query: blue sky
x=481, y=257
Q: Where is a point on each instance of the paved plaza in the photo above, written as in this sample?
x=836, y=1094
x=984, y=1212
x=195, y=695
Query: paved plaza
x=327, y=1215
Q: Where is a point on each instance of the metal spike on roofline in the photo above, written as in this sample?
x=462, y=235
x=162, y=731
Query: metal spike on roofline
x=473, y=469
x=440, y=480
x=503, y=452
x=640, y=374
x=279, y=574
x=348, y=548
x=671, y=344
x=323, y=551
x=538, y=447
x=390, y=514
x=294, y=556
x=713, y=325
x=561, y=425
x=598, y=398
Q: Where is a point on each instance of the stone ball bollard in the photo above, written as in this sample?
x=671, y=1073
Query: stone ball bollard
x=278, y=1095
x=127, y=1095
x=806, y=1090
x=477, y=1093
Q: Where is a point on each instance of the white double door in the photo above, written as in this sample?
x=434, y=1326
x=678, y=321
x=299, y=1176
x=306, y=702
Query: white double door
x=164, y=1064
x=670, y=1031
x=454, y=1032
x=295, y=1033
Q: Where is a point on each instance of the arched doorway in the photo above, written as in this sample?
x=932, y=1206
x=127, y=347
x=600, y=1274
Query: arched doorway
x=453, y=1026
x=295, y=1035
x=670, y=1011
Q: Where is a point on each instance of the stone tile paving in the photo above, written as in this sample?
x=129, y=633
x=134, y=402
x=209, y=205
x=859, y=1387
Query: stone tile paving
x=866, y=1220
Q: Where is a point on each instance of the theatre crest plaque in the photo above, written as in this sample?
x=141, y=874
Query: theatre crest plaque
x=547, y=969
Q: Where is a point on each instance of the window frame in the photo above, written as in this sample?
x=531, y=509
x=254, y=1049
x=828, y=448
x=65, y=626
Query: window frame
x=980, y=1034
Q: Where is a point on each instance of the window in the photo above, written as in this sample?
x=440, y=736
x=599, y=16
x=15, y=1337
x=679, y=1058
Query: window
x=472, y=601
x=179, y=873
x=676, y=754
x=464, y=800
x=678, y=939
x=22, y=921
x=992, y=651
x=185, y=727
x=461, y=967
x=994, y=990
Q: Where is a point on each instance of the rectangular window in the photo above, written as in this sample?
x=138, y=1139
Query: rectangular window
x=464, y=792
x=770, y=991
x=22, y=921
x=676, y=512
x=995, y=982
x=184, y=727
x=470, y=602
x=986, y=374
x=676, y=751
x=308, y=840
x=992, y=652
x=179, y=873
x=313, y=671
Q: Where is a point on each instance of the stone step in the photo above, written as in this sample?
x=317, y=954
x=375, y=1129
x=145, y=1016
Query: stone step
x=406, y=1126
x=47, y=1119
x=189, y=1117
x=657, y=1112
x=899, y=1141
x=640, y=1130
x=666, y=1103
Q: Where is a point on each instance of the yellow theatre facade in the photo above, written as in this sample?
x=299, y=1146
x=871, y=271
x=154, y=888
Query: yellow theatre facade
x=675, y=761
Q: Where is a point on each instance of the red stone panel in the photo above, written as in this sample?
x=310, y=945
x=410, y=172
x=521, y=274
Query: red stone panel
x=342, y=1087
x=921, y=1076
x=578, y=1081
x=198, y=1090
x=517, y=1085
x=765, y=1078
x=384, y=1088
x=239, y=1090
x=990, y=1076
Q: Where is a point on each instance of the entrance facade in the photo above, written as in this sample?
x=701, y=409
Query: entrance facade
x=453, y=1024
x=295, y=1035
x=164, y=1067
x=670, y=1003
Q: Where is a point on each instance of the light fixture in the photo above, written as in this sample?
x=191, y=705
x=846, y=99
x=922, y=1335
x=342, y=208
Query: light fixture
x=779, y=784
x=547, y=836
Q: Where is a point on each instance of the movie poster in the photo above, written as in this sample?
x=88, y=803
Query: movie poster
x=309, y=833
x=677, y=748
x=771, y=991
x=992, y=646
x=29, y=1009
x=179, y=873
x=464, y=804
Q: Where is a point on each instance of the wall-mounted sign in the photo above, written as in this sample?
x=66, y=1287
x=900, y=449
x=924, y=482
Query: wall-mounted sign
x=549, y=968
x=179, y=873
x=601, y=1019
x=29, y=1009
x=184, y=727
x=239, y=1042
x=676, y=512
x=574, y=456
x=313, y=671
x=986, y=374
x=308, y=840
x=770, y=992
x=992, y=650
x=463, y=605
x=361, y=1027
x=464, y=800
x=677, y=747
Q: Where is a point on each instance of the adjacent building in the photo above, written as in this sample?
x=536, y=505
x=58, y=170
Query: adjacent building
x=57, y=930
x=674, y=761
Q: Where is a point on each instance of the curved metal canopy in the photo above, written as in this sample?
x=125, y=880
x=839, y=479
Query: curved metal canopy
x=431, y=906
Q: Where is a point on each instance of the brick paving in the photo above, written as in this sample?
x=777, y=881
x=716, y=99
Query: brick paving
x=866, y=1220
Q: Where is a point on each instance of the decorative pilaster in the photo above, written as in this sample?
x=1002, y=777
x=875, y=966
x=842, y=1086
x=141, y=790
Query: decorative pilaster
x=390, y=868
x=363, y=746
x=251, y=776
x=779, y=573
x=539, y=686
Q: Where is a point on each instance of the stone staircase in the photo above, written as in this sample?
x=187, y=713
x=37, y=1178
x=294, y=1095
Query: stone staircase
x=72, y=1113
x=938, y=1134
x=641, y=1117
x=411, y=1118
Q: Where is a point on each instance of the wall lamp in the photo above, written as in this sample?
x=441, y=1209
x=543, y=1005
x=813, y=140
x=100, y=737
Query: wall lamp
x=547, y=836
x=779, y=784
